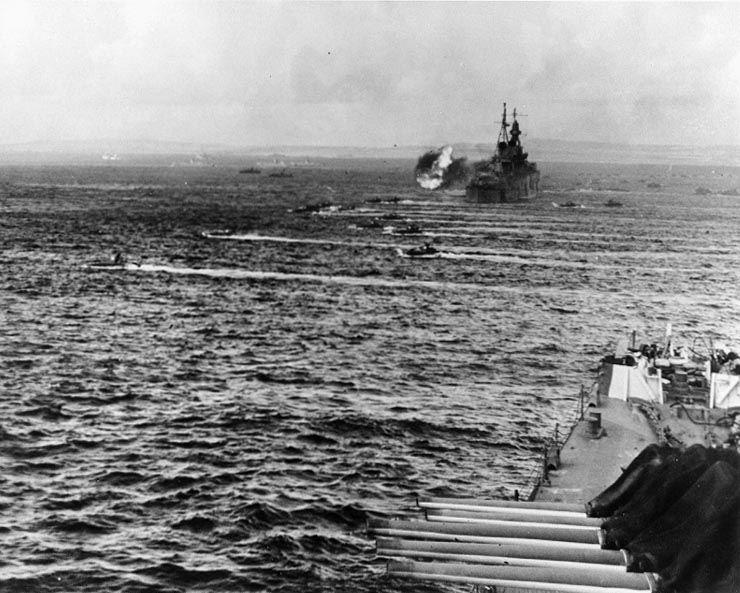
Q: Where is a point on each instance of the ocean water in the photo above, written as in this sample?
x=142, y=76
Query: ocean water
x=227, y=411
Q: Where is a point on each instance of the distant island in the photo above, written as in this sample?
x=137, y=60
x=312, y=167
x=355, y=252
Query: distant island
x=541, y=150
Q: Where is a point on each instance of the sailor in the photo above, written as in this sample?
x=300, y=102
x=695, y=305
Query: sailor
x=735, y=428
x=733, y=439
x=733, y=363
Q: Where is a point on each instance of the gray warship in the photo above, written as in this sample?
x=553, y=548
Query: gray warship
x=507, y=176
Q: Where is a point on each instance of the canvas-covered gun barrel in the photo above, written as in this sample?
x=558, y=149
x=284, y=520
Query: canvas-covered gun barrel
x=636, y=473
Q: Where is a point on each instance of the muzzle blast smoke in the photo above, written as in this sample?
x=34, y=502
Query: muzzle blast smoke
x=438, y=169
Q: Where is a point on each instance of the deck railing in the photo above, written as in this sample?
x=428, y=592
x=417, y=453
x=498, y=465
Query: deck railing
x=550, y=458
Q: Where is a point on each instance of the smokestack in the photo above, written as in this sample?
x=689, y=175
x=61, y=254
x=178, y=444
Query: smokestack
x=437, y=169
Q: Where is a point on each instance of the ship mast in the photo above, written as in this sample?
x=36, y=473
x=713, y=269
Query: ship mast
x=503, y=135
x=515, y=132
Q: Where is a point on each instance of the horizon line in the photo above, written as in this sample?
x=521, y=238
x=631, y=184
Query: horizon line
x=48, y=145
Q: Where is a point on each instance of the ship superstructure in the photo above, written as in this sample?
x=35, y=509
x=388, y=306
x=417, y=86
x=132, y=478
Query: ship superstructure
x=507, y=176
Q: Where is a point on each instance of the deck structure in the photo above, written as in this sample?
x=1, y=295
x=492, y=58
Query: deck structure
x=548, y=543
x=543, y=545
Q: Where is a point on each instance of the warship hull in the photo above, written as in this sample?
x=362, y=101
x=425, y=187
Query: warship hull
x=514, y=188
x=507, y=176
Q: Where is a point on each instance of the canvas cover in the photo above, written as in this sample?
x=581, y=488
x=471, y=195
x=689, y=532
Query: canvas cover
x=680, y=517
x=625, y=381
x=622, y=490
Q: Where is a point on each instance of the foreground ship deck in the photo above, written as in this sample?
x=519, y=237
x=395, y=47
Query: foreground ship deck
x=549, y=543
x=589, y=462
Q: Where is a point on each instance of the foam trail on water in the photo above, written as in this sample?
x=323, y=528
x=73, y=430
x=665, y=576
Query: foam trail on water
x=533, y=227
x=240, y=274
x=463, y=253
x=551, y=262
x=299, y=240
x=441, y=234
x=276, y=239
x=374, y=281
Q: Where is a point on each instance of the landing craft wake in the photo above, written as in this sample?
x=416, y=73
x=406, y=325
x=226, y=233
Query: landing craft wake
x=259, y=275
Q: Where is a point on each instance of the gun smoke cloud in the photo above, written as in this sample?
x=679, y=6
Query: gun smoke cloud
x=438, y=169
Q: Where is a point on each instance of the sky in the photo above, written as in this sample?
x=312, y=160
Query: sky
x=368, y=73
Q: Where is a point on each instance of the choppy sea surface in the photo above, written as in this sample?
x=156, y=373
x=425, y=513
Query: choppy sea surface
x=225, y=412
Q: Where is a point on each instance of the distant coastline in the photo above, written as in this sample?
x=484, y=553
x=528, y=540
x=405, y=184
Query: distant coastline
x=543, y=150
